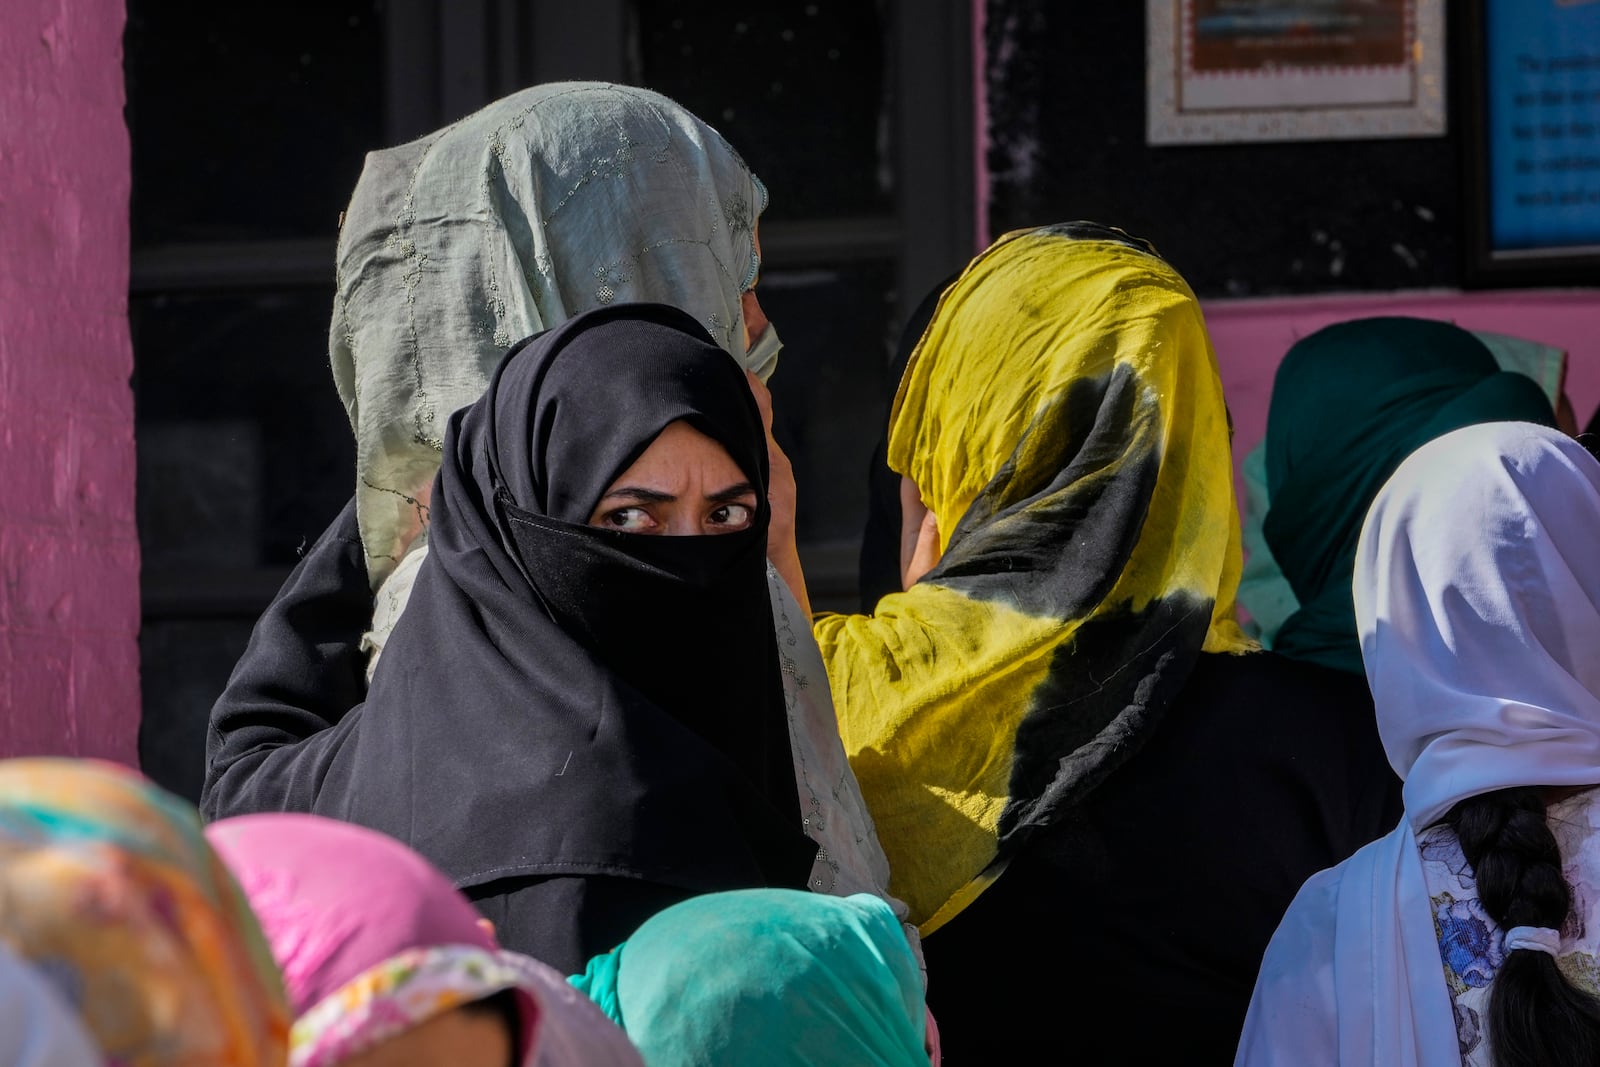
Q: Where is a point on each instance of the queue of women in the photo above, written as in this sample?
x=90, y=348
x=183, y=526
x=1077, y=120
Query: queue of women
x=540, y=756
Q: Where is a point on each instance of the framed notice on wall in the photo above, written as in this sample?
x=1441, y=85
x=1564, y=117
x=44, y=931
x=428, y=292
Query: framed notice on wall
x=1531, y=109
x=1294, y=70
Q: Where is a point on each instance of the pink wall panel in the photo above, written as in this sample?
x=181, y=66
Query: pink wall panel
x=69, y=551
x=1251, y=337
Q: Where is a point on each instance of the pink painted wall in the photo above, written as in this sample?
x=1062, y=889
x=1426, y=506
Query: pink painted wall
x=69, y=552
x=1251, y=337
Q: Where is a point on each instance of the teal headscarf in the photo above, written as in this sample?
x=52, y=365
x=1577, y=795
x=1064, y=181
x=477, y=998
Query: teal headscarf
x=770, y=976
x=1349, y=403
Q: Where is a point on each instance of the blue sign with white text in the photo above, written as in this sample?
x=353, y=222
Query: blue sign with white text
x=1544, y=124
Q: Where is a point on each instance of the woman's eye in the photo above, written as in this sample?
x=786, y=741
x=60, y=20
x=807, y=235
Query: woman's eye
x=634, y=520
x=731, y=517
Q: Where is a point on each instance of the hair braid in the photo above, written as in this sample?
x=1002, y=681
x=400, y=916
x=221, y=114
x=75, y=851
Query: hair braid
x=1536, y=1017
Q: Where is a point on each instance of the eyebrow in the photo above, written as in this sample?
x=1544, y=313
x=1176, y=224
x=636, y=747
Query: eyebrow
x=640, y=494
x=732, y=493
x=655, y=496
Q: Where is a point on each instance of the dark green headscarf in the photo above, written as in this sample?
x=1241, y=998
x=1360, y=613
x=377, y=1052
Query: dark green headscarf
x=1349, y=403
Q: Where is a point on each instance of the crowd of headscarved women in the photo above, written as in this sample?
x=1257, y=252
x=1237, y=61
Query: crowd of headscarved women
x=540, y=756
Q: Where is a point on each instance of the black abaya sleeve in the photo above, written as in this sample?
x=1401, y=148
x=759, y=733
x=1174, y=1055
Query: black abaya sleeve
x=274, y=727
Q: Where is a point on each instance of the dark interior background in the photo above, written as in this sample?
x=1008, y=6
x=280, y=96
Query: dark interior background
x=249, y=128
x=1067, y=105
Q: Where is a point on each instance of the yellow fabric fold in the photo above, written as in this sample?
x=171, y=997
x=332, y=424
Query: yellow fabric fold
x=1064, y=421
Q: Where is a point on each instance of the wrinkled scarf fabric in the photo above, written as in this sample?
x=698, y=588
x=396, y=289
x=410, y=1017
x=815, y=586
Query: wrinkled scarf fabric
x=1348, y=404
x=1478, y=602
x=1064, y=421
x=551, y=202
x=575, y=701
x=780, y=978
x=363, y=967
x=109, y=888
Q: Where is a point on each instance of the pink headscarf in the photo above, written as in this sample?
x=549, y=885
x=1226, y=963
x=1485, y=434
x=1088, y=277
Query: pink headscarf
x=373, y=940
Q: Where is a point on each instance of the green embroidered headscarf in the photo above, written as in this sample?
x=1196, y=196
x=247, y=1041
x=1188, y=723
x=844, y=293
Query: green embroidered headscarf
x=1349, y=403
x=551, y=202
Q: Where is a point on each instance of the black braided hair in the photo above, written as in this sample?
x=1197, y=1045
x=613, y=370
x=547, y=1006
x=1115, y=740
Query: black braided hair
x=1536, y=1017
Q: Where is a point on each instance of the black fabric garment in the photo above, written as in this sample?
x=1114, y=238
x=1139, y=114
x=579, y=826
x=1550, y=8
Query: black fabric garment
x=302, y=671
x=1130, y=932
x=595, y=910
x=564, y=702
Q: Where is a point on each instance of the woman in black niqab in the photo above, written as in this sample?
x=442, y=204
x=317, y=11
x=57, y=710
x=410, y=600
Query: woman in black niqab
x=581, y=726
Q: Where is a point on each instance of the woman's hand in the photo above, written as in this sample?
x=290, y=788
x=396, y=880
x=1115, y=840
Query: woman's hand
x=782, y=549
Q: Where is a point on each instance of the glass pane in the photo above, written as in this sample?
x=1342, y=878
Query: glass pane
x=183, y=666
x=249, y=126
x=831, y=392
x=797, y=88
x=244, y=450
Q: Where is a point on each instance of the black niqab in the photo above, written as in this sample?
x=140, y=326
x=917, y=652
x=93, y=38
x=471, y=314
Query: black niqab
x=561, y=700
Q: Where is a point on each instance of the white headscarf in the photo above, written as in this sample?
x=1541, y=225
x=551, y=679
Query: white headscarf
x=1477, y=594
x=37, y=1028
x=550, y=202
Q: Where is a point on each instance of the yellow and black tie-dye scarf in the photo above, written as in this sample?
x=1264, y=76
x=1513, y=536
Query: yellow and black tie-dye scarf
x=1064, y=422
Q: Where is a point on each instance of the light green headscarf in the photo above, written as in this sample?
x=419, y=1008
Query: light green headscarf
x=768, y=976
x=553, y=201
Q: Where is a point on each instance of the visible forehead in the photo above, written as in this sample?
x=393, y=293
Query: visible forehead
x=681, y=459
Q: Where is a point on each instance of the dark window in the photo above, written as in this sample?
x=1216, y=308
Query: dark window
x=249, y=124
x=796, y=86
x=244, y=449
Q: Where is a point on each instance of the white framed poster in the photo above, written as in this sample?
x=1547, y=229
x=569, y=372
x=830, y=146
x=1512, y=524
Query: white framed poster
x=1294, y=70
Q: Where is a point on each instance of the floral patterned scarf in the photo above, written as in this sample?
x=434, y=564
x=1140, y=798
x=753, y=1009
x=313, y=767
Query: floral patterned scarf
x=109, y=890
